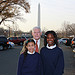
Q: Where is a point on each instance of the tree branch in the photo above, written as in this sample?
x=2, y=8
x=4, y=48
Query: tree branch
x=2, y=20
x=2, y=2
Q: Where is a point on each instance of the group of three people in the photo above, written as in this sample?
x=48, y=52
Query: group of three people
x=41, y=57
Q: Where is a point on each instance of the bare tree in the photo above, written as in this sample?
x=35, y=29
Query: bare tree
x=10, y=8
x=67, y=30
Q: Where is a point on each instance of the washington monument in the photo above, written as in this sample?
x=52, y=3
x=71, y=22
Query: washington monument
x=39, y=14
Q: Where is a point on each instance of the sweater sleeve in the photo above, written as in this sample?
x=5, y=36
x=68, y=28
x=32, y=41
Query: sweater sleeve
x=40, y=66
x=60, y=64
x=41, y=52
x=20, y=63
x=41, y=55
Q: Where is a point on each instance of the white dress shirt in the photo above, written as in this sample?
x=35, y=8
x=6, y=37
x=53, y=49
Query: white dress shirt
x=38, y=43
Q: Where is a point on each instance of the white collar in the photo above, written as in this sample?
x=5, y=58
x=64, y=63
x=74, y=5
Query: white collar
x=35, y=40
x=30, y=52
x=51, y=47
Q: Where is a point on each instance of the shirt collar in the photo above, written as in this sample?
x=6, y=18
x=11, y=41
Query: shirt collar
x=30, y=52
x=51, y=47
x=35, y=40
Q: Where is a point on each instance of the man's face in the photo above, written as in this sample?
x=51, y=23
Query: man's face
x=36, y=34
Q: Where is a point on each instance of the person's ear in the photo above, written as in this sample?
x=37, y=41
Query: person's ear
x=40, y=33
x=54, y=39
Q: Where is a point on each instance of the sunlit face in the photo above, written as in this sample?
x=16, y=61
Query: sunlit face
x=36, y=34
x=50, y=40
x=30, y=46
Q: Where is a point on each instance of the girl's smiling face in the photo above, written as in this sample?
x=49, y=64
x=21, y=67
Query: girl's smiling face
x=30, y=46
x=50, y=40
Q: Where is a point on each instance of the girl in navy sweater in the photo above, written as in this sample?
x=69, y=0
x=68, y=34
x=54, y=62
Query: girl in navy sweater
x=52, y=55
x=30, y=61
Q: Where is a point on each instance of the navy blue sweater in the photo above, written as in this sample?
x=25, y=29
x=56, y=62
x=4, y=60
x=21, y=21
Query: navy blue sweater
x=53, y=61
x=31, y=65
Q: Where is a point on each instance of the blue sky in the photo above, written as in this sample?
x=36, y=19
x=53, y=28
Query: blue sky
x=53, y=14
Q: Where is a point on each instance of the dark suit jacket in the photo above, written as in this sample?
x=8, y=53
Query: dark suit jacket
x=41, y=45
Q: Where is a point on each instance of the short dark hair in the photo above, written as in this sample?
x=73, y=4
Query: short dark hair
x=45, y=37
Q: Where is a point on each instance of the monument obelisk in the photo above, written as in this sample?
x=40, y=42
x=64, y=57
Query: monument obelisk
x=39, y=14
